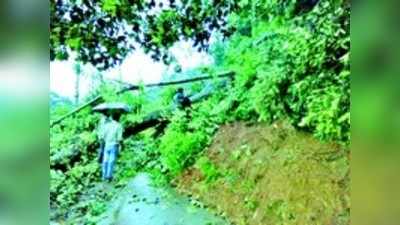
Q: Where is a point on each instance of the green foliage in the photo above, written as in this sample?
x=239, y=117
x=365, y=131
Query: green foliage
x=73, y=166
x=179, y=145
x=110, y=6
x=218, y=52
x=57, y=111
x=167, y=95
x=189, y=132
x=278, y=211
x=208, y=169
x=101, y=32
x=252, y=204
x=292, y=66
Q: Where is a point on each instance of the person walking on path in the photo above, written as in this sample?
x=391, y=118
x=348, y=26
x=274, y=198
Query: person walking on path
x=112, y=134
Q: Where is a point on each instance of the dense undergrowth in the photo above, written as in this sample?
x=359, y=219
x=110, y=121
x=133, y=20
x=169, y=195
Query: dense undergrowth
x=294, y=66
x=290, y=62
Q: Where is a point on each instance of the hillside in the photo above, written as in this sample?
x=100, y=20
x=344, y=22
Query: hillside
x=271, y=174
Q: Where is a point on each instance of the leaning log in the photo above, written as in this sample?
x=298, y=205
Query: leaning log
x=100, y=99
x=156, y=118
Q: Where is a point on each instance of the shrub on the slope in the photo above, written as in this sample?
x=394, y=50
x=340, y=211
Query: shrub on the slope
x=190, y=132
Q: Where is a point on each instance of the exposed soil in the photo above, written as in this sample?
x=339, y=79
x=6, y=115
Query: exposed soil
x=273, y=174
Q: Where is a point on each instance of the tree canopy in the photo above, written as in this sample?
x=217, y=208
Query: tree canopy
x=104, y=32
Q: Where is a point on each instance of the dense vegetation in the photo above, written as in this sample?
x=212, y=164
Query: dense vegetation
x=291, y=62
x=294, y=66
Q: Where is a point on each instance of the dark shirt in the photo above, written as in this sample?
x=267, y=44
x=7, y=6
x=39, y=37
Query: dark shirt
x=179, y=98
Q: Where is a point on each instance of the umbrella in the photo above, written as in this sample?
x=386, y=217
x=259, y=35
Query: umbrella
x=112, y=107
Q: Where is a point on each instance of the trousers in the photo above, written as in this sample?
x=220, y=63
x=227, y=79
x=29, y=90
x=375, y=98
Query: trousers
x=109, y=158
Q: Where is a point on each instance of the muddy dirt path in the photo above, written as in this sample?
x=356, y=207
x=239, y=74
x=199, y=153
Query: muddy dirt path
x=140, y=203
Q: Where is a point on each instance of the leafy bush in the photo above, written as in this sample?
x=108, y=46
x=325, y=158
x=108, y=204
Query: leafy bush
x=208, y=169
x=179, y=145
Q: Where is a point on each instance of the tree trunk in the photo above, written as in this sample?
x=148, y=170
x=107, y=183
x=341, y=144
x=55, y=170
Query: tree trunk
x=100, y=99
x=77, y=81
x=78, y=71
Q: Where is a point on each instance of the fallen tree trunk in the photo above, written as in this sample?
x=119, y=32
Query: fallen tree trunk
x=156, y=118
x=161, y=84
x=100, y=99
x=94, y=101
x=145, y=124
